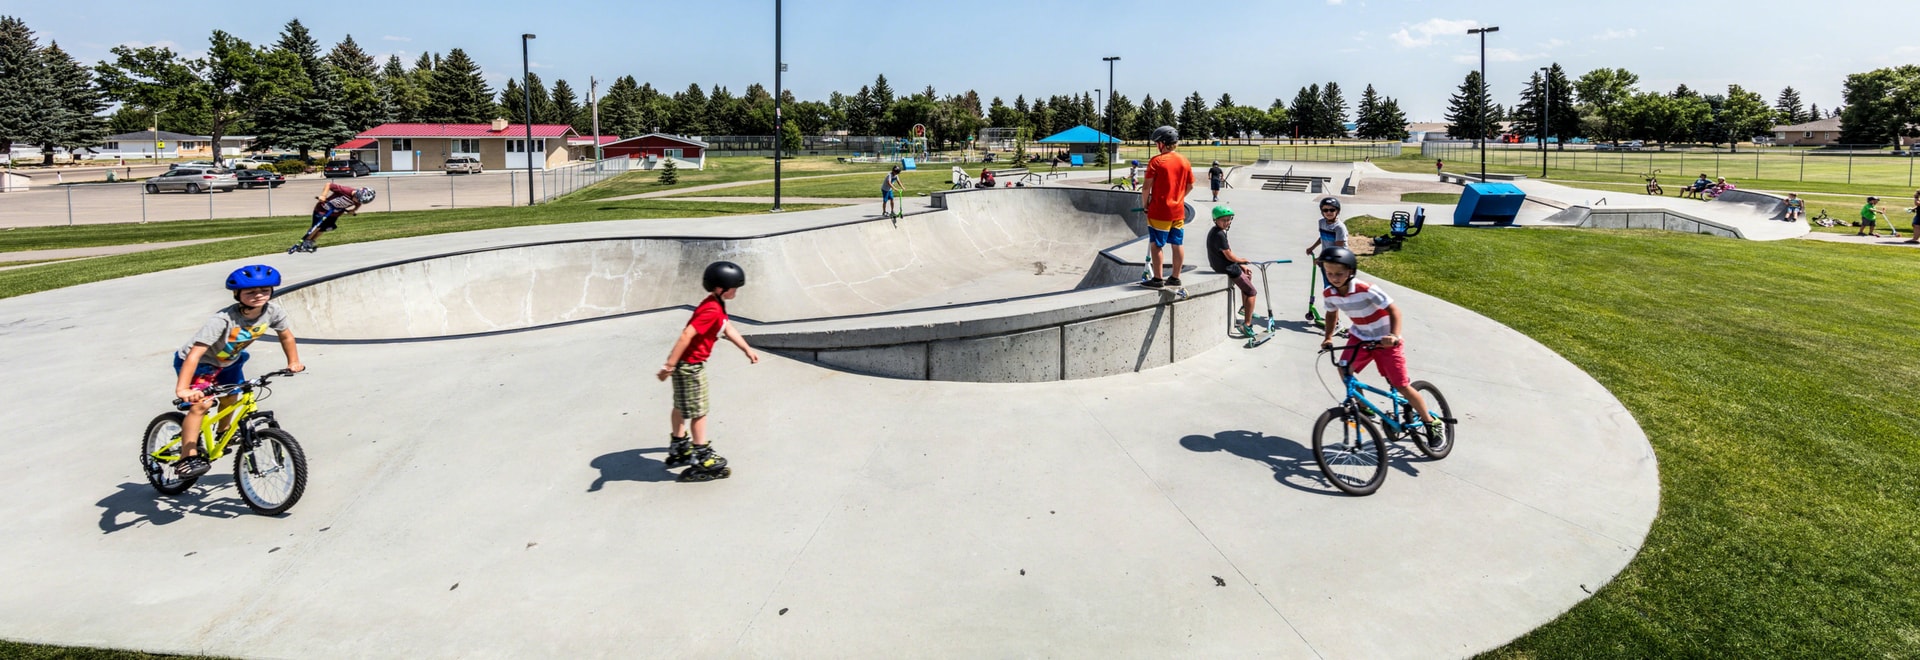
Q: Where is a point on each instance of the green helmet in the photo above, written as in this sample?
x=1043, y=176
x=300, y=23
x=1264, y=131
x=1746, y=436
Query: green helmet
x=1222, y=211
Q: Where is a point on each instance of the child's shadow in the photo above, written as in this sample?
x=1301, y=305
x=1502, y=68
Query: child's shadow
x=1292, y=462
x=136, y=503
x=630, y=465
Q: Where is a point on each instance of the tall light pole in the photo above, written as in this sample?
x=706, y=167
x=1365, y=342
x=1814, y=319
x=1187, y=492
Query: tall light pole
x=1546, y=115
x=1108, y=116
x=594, y=86
x=1484, y=119
x=526, y=93
x=779, y=127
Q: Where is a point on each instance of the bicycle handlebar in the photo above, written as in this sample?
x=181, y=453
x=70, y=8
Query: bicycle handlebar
x=223, y=390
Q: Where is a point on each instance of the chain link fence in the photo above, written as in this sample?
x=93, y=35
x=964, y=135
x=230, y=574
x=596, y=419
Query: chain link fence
x=1866, y=165
x=102, y=203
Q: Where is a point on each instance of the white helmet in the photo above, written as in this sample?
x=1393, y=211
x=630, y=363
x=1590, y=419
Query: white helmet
x=365, y=195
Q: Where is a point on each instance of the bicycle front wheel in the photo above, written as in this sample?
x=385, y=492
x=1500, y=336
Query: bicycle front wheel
x=273, y=474
x=1436, y=441
x=1350, y=452
x=161, y=432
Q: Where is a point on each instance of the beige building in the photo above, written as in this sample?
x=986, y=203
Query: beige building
x=1818, y=133
x=426, y=147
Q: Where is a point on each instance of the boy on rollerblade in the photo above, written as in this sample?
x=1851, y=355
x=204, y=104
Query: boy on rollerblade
x=1375, y=320
x=335, y=200
x=1221, y=257
x=687, y=365
x=217, y=352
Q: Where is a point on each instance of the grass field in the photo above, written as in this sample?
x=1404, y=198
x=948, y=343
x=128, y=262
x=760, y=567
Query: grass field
x=867, y=186
x=725, y=170
x=18, y=651
x=282, y=232
x=1783, y=416
x=1430, y=198
x=1800, y=170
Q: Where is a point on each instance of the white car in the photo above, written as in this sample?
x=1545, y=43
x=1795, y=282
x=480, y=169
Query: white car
x=462, y=165
x=247, y=164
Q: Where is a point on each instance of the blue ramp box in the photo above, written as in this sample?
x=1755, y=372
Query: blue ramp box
x=1497, y=203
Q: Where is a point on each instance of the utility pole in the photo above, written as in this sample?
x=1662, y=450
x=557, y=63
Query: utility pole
x=779, y=127
x=1485, y=121
x=1109, y=117
x=1546, y=116
x=526, y=93
x=593, y=85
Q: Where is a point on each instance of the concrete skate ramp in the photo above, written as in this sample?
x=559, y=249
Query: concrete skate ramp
x=982, y=246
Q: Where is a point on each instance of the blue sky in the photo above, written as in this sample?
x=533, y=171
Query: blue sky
x=1414, y=51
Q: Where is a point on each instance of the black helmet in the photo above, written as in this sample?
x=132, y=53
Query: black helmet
x=1330, y=201
x=1165, y=135
x=723, y=275
x=1339, y=255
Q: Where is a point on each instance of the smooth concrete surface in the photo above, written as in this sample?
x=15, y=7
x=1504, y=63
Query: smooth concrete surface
x=502, y=496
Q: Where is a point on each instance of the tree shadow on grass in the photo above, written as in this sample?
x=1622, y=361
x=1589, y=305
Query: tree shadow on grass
x=213, y=496
x=629, y=465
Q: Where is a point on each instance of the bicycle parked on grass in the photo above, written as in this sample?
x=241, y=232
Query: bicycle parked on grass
x=1355, y=460
x=269, y=468
x=1653, y=183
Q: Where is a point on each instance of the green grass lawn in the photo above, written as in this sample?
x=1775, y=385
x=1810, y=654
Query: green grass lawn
x=1430, y=198
x=18, y=651
x=1883, y=176
x=283, y=232
x=936, y=176
x=725, y=170
x=1777, y=385
x=1839, y=206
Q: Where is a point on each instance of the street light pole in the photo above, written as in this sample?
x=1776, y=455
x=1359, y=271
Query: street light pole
x=1546, y=115
x=1484, y=119
x=1104, y=150
x=779, y=127
x=592, y=87
x=526, y=93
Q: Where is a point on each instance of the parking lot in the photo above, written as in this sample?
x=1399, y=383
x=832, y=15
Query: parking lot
x=103, y=203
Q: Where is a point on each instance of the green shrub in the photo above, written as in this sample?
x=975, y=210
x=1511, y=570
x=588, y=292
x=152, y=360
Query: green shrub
x=290, y=167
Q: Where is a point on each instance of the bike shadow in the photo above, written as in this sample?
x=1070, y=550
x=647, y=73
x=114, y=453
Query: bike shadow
x=629, y=465
x=137, y=503
x=1291, y=461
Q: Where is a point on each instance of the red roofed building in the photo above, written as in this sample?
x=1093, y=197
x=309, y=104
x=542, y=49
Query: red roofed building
x=499, y=145
x=652, y=147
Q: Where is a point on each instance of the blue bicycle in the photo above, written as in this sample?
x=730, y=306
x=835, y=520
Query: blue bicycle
x=1355, y=460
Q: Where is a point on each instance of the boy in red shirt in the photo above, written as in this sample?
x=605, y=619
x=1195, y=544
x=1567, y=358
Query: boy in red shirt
x=1164, y=196
x=687, y=364
x=333, y=201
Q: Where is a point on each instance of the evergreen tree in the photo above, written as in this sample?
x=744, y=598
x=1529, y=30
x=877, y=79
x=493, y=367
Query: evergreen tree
x=689, y=111
x=510, y=98
x=306, y=122
x=1470, y=110
x=669, y=172
x=1530, y=113
x=27, y=85
x=295, y=39
x=1391, y=121
x=1305, y=112
x=1562, y=117
x=76, y=120
x=563, y=108
x=1746, y=114
x=1367, y=114
x=882, y=96
x=458, y=95
x=1333, y=112
x=1278, y=122
x=404, y=96
x=1143, y=121
x=1194, y=124
x=351, y=61
x=1788, y=109
x=620, y=112
x=1165, y=116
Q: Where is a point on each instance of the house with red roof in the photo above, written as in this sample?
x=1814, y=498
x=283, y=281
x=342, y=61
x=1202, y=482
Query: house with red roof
x=426, y=147
x=653, y=147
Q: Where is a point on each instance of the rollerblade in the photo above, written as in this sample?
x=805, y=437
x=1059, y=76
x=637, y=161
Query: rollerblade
x=679, y=452
x=706, y=466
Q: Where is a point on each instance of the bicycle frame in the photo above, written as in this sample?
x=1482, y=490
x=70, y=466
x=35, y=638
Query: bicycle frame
x=214, y=446
x=1356, y=394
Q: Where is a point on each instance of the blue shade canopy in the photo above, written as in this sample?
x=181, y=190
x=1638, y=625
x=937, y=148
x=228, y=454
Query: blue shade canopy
x=1078, y=135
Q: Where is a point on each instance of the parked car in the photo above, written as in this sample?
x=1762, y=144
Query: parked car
x=462, y=165
x=347, y=168
x=252, y=178
x=193, y=180
x=237, y=164
x=1603, y=146
x=202, y=164
x=1633, y=145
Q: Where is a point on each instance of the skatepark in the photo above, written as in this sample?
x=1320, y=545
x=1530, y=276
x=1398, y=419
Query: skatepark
x=486, y=476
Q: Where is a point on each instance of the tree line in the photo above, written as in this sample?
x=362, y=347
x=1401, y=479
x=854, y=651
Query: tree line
x=291, y=95
x=1606, y=104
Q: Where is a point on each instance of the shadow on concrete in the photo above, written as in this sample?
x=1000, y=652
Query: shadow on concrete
x=137, y=503
x=1292, y=461
x=630, y=465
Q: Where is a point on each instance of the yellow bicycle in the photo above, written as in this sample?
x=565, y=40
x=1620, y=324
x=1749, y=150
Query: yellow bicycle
x=269, y=468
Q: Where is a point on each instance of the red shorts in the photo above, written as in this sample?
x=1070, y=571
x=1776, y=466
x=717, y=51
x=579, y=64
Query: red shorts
x=1392, y=362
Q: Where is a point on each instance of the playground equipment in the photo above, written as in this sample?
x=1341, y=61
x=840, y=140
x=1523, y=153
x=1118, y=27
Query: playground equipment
x=1401, y=227
x=1497, y=203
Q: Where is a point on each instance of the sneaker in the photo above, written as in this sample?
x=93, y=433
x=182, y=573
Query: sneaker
x=1173, y=281
x=1243, y=332
x=1154, y=283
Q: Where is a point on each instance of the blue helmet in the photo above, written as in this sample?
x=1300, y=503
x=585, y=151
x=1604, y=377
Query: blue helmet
x=254, y=276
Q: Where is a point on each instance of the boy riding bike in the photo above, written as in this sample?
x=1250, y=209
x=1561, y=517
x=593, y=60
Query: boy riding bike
x=333, y=201
x=218, y=351
x=1375, y=325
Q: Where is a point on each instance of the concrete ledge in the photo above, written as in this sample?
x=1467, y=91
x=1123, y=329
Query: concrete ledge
x=1648, y=218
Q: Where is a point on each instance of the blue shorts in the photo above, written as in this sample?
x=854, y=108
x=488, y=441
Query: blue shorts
x=1215, y=183
x=886, y=194
x=231, y=375
x=1175, y=236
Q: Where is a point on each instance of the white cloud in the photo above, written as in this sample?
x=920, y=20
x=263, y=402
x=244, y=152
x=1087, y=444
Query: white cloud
x=1423, y=34
x=1336, y=2
x=1611, y=34
x=1553, y=43
x=390, y=37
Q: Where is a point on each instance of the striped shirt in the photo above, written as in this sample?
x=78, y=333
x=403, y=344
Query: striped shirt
x=1365, y=306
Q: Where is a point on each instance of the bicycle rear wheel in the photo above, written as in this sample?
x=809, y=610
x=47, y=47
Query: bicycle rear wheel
x=1436, y=443
x=1350, y=452
x=273, y=474
x=162, y=431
